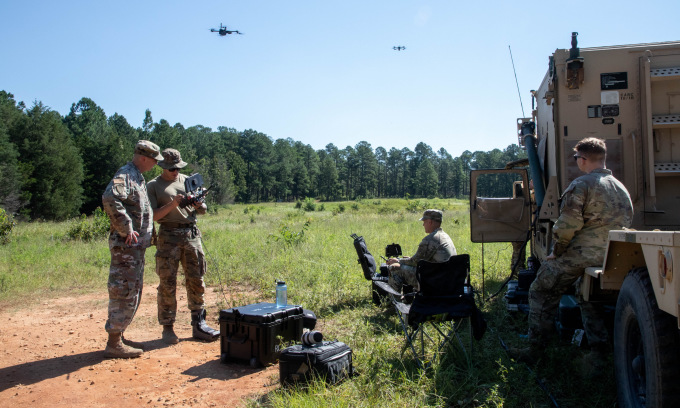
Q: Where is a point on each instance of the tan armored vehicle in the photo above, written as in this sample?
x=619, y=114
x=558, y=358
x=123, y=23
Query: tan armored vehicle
x=629, y=96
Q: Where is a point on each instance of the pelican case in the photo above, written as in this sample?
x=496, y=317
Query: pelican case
x=331, y=360
x=257, y=333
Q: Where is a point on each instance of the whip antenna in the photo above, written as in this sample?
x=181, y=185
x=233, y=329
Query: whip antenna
x=516, y=82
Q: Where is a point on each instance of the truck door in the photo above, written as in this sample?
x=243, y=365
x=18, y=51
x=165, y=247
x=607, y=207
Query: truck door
x=500, y=205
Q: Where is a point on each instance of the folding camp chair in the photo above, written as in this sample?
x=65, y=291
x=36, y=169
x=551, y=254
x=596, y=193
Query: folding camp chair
x=443, y=304
x=372, y=271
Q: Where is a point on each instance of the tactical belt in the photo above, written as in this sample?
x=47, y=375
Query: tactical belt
x=173, y=225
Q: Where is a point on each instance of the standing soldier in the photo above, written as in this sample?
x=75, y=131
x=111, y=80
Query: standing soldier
x=127, y=204
x=179, y=240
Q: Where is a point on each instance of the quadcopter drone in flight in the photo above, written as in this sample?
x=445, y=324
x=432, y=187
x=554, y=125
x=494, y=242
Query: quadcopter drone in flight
x=223, y=31
x=399, y=47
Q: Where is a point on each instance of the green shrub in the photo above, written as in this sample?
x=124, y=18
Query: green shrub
x=310, y=205
x=6, y=225
x=339, y=209
x=416, y=206
x=88, y=229
x=289, y=237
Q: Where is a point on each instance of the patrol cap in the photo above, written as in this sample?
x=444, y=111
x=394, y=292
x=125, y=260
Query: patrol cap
x=148, y=149
x=434, y=215
x=171, y=159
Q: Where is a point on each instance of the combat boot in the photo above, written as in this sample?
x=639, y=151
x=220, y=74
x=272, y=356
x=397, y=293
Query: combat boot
x=201, y=330
x=169, y=336
x=116, y=349
x=133, y=344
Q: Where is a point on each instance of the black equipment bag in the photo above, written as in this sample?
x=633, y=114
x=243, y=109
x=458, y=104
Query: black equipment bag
x=331, y=360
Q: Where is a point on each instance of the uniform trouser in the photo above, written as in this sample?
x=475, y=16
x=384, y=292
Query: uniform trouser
x=126, y=280
x=402, y=275
x=554, y=278
x=175, y=246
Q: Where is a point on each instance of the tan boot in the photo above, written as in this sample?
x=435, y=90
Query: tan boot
x=169, y=336
x=116, y=349
x=133, y=344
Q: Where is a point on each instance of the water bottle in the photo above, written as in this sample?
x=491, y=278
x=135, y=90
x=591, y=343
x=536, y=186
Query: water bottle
x=281, y=294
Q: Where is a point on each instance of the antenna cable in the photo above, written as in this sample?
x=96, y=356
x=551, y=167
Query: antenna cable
x=516, y=82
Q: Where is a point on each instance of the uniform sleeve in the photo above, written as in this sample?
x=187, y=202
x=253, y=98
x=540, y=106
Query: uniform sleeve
x=570, y=220
x=426, y=250
x=112, y=201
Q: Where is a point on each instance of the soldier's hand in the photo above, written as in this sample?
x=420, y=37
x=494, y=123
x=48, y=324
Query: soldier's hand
x=131, y=238
x=177, y=200
x=551, y=257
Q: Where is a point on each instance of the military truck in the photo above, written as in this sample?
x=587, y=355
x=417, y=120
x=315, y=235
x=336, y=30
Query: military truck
x=628, y=95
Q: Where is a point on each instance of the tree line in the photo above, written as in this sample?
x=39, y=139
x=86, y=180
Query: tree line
x=54, y=167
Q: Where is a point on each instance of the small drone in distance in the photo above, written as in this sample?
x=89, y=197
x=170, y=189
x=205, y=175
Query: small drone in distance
x=223, y=31
x=399, y=47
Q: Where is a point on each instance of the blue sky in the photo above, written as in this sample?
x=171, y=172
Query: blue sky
x=318, y=72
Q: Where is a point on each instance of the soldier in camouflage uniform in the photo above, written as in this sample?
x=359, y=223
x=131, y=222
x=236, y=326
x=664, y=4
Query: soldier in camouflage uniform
x=179, y=241
x=435, y=247
x=126, y=203
x=591, y=206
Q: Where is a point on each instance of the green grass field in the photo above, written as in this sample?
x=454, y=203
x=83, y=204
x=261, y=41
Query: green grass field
x=250, y=246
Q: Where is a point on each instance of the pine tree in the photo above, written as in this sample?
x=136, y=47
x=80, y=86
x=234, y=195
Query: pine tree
x=51, y=165
x=10, y=188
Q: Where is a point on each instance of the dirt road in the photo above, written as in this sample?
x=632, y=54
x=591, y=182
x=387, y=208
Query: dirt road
x=52, y=355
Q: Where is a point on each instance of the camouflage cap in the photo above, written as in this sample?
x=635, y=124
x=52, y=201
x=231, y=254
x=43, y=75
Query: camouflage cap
x=148, y=149
x=172, y=159
x=434, y=215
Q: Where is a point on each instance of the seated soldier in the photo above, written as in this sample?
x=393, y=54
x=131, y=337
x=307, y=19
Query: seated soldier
x=435, y=247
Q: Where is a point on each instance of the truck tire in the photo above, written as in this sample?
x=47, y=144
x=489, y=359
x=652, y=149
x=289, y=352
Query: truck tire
x=645, y=347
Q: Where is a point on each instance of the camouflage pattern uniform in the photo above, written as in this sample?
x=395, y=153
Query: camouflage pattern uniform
x=591, y=206
x=126, y=202
x=179, y=241
x=435, y=247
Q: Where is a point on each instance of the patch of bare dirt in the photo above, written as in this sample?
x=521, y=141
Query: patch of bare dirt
x=52, y=355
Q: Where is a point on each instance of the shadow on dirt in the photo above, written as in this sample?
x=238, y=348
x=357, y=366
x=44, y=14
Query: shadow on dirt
x=217, y=371
x=37, y=371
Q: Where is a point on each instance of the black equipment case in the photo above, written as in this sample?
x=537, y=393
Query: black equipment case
x=251, y=333
x=331, y=360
